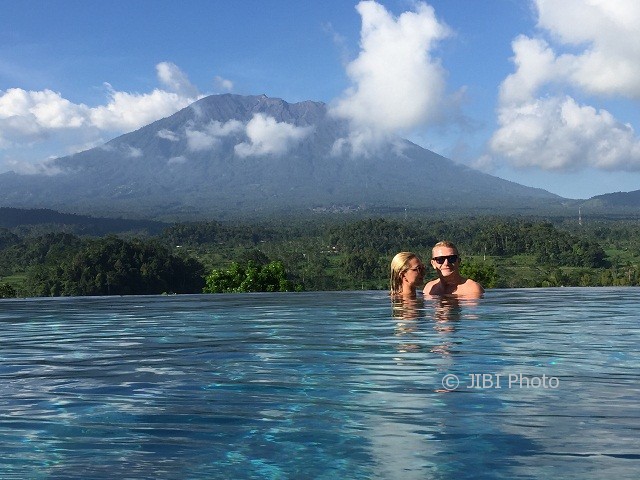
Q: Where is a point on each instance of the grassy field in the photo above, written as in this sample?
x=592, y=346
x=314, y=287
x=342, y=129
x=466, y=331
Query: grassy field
x=16, y=280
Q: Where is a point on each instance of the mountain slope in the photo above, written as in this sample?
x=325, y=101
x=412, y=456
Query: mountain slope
x=205, y=160
x=617, y=199
x=45, y=219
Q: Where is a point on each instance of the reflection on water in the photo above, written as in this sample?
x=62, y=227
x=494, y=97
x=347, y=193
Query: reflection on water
x=441, y=314
x=407, y=308
x=320, y=385
x=445, y=314
x=407, y=313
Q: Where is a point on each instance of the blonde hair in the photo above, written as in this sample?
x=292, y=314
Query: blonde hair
x=399, y=265
x=446, y=244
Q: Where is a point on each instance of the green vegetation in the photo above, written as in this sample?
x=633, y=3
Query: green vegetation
x=320, y=253
x=65, y=265
x=7, y=291
x=249, y=277
x=482, y=272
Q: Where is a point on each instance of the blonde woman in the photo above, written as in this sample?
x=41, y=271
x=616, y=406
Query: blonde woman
x=407, y=274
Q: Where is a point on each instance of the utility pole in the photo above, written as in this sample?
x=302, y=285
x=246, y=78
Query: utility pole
x=580, y=216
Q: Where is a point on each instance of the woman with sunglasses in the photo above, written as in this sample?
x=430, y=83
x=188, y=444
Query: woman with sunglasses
x=407, y=275
x=446, y=262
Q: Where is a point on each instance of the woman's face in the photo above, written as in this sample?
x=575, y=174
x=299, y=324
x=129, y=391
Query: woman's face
x=413, y=276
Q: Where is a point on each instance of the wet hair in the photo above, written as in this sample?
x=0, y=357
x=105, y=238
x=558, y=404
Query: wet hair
x=399, y=265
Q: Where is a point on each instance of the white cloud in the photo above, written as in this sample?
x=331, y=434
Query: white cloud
x=535, y=67
x=595, y=47
x=45, y=108
x=41, y=168
x=168, y=135
x=19, y=130
x=133, y=152
x=223, y=84
x=592, y=50
x=29, y=119
x=359, y=141
x=559, y=134
x=29, y=116
x=175, y=80
x=198, y=141
x=396, y=83
x=127, y=150
x=209, y=138
x=177, y=160
x=608, y=32
x=128, y=111
x=72, y=148
x=268, y=136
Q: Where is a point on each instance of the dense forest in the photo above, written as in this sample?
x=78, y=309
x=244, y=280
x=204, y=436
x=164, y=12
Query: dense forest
x=319, y=253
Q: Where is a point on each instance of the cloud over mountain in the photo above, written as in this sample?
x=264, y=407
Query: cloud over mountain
x=397, y=84
x=253, y=155
x=410, y=73
x=209, y=137
x=268, y=136
x=32, y=118
x=175, y=80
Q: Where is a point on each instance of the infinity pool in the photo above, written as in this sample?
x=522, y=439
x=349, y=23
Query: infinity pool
x=540, y=383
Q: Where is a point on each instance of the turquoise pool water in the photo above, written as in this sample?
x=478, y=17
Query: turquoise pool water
x=524, y=383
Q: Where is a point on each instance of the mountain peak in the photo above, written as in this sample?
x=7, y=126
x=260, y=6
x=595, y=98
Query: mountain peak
x=232, y=154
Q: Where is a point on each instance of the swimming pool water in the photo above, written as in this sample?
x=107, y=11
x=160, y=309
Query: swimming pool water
x=525, y=383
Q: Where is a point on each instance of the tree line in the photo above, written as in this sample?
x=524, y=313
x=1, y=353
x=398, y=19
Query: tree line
x=66, y=265
x=323, y=253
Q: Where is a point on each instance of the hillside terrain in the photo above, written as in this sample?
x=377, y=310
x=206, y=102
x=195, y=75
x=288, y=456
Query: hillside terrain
x=231, y=156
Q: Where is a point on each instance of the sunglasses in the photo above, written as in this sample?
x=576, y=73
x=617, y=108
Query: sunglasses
x=450, y=258
x=417, y=269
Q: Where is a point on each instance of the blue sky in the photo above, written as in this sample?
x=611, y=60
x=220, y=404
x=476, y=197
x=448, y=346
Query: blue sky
x=543, y=93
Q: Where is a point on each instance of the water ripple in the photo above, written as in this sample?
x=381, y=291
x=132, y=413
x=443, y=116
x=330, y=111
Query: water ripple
x=321, y=385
